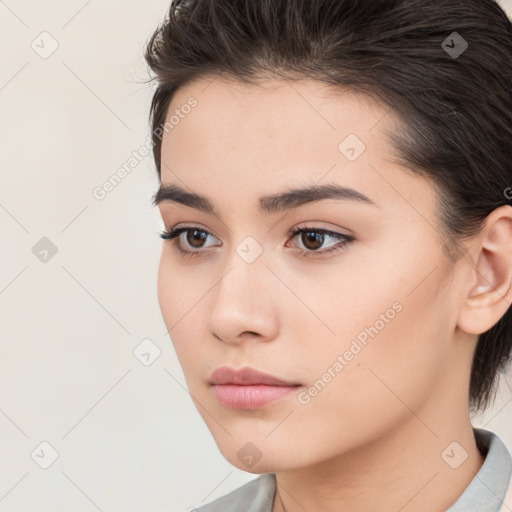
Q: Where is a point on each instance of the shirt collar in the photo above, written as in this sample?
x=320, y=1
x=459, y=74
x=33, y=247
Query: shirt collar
x=486, y=492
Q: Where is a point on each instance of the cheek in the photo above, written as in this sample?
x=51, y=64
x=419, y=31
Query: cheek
x=166, y=276
x=179, y=291
x=180, y=304
x=166, y=289
x=388, y=352
x=387, y=319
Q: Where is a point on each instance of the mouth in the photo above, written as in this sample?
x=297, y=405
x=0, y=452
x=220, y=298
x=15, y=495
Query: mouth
x=248, y=388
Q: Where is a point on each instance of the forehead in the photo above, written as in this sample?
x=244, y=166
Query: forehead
x=248, y=140
x=289, y=114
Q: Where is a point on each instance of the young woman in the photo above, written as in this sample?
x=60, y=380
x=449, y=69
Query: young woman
x=336, y=275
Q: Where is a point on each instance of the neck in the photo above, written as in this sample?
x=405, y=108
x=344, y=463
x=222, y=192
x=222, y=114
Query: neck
x=401, y=470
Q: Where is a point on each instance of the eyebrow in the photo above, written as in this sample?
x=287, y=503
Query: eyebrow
x=287, y=200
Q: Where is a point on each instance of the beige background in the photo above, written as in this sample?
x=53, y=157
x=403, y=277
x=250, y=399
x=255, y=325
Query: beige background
x=127, y=435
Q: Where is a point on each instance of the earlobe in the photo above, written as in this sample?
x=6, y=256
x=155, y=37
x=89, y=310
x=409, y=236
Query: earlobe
x=489, y=295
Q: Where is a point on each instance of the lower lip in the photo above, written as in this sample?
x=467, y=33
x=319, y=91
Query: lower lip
x=250, y=397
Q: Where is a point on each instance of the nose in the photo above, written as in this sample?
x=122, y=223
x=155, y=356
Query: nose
x=245, y=303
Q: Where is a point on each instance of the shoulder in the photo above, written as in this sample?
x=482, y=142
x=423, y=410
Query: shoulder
x=502, y=467
x=507, y=502
x=254, y=496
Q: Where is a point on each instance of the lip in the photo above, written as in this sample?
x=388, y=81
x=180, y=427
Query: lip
x=248, y=388
x=246, y=376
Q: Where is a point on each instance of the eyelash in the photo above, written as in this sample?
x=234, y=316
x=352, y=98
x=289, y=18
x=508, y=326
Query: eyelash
x=345, y=240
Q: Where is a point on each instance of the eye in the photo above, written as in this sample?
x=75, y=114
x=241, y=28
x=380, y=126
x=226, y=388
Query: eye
x=313, y=238
x=194, y=237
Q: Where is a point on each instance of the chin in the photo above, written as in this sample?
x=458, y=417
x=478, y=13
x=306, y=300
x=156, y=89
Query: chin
x=259, y=456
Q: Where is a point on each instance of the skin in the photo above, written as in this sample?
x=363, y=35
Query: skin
x=373, y=437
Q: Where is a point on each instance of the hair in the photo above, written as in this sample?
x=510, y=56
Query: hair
x=455, y=110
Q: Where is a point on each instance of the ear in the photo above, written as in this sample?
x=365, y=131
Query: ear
x=489, y=291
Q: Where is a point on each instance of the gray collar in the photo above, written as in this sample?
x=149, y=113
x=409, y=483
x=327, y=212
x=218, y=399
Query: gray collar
x=487, y=490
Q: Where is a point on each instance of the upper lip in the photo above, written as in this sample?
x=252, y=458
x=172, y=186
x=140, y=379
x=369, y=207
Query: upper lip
x=245, y=377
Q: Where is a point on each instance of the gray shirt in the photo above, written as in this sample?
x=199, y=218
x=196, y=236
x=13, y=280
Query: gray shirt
x=485, y=493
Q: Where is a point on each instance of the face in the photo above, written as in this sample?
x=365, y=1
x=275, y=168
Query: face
x=344, y=298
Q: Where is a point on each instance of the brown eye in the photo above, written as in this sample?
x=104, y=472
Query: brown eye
x=188, y=241
x=196, y=237
x=312, y=240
